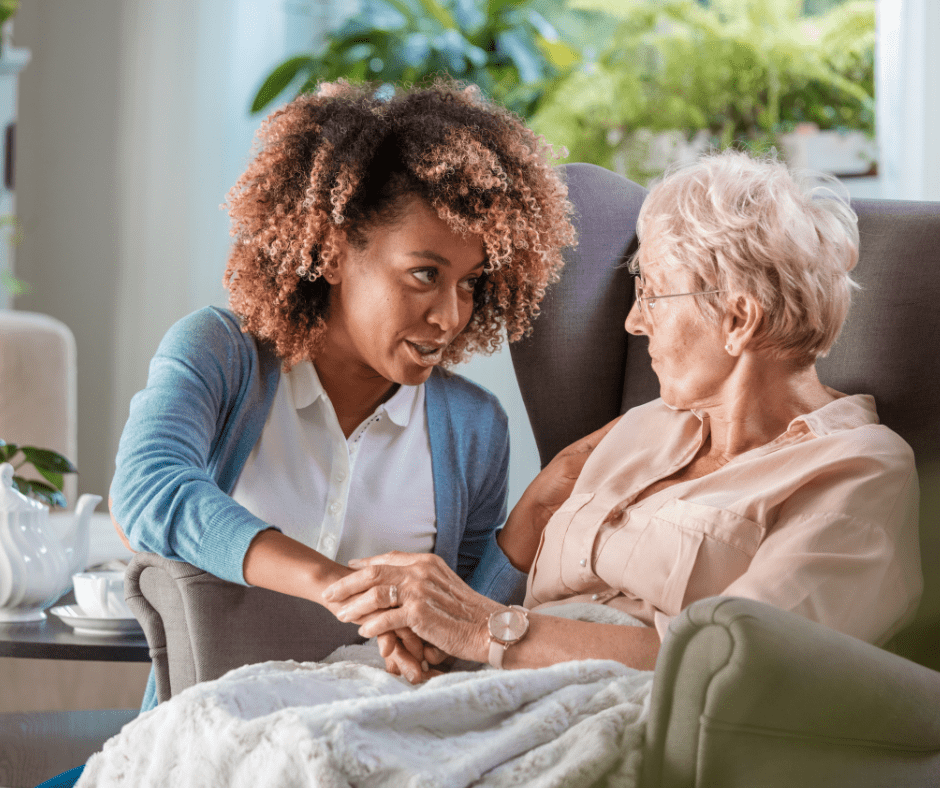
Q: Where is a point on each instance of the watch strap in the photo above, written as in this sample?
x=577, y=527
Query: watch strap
x=497, y=652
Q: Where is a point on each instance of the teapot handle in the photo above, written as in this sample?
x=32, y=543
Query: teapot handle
x=76, y=539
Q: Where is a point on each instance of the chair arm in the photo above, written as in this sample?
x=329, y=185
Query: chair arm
x=746, y=694
x=200, y=627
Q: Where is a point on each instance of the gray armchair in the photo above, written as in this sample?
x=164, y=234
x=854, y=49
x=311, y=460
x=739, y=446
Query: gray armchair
x=744, y=694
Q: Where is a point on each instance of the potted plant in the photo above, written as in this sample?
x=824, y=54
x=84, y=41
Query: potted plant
x=47, y=463
x=8, y=281
x=7, y=9
x=512, y=50
x=677, y=76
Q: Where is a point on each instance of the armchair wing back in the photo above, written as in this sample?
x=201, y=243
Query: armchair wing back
x=889, y=347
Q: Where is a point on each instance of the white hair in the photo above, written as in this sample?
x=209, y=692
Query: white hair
x=750, y=226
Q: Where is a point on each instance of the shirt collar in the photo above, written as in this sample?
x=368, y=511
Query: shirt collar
x=845, y=413
x=401, y=405
x=306, y=388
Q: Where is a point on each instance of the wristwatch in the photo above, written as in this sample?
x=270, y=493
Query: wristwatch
x=507, y=627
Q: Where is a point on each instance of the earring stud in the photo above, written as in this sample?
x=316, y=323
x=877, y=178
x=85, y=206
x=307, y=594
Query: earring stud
x=728, y=347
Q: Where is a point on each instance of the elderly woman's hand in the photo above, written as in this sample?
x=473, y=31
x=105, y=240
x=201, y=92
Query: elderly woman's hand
x=418, y=592
x=519, y=539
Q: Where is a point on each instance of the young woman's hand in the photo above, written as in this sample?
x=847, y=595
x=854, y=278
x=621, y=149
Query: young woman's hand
x=407, y=655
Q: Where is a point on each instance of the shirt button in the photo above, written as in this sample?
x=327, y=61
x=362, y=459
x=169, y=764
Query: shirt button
x=340, y=476
x=335, y=507
x=583, y=562
x=329, y=542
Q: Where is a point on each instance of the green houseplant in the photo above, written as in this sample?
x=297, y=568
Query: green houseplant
x=7, y=9
x=736, y=71
x=13, y=285
x=512, y=50
x=49, y=464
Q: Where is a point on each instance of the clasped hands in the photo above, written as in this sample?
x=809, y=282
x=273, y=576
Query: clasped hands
x=418, y=608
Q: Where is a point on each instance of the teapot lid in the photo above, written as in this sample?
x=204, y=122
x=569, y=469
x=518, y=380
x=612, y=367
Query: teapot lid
x=12, y=500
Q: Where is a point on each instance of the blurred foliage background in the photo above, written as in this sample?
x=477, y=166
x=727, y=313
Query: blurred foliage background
x=612, y=79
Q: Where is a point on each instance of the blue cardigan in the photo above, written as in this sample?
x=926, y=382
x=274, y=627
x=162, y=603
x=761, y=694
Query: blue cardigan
x=207, y=398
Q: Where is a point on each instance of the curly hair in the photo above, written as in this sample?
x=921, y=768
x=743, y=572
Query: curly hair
x=336, y=164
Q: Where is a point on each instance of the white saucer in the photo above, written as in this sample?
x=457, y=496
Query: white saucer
x=83, y=624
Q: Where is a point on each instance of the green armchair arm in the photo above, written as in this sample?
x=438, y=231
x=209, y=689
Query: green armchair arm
x=749, y=695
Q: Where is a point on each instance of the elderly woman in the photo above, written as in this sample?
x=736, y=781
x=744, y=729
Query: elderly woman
x=748, y=477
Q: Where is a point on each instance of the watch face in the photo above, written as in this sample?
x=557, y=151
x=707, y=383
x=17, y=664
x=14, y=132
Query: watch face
x=508, y=626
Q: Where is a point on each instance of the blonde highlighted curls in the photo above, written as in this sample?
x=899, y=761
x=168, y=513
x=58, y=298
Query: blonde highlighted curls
x=339, y=163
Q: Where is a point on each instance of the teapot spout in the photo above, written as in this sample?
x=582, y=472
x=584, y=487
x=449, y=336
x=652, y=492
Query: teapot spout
x=76, y=539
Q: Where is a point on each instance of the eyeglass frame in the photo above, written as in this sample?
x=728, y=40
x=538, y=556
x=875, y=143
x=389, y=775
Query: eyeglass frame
x=640, y=298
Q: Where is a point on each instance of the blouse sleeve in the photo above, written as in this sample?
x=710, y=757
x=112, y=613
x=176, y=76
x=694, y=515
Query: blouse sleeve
x=843, y=550
x=165, y=494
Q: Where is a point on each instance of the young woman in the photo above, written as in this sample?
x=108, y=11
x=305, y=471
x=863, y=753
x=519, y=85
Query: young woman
x=376, y=241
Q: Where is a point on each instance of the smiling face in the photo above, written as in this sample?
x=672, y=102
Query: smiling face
x=400, y=299
x=686, y=349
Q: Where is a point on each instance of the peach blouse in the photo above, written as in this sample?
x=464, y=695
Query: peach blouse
x=821, y=521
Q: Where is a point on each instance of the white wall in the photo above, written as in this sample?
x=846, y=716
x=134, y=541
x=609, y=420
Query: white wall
x=908, y=98
x=133, y=124
x=67, y=195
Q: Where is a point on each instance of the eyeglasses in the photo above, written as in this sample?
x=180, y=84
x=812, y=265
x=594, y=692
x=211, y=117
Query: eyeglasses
x=647, y=303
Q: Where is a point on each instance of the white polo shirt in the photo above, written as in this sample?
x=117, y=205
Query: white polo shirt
x=346, y=498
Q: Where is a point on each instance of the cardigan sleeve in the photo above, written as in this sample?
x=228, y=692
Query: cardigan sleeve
x=493, y=575
x=181, y=432
x=481, y=561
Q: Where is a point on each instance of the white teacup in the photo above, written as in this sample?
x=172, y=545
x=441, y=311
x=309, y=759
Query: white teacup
x=101, y=594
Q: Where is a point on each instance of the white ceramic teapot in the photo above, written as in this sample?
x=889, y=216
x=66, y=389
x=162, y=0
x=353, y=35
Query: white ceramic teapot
x=36, y=565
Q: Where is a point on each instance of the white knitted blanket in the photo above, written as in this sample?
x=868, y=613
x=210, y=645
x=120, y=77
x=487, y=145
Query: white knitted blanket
x=349, y=723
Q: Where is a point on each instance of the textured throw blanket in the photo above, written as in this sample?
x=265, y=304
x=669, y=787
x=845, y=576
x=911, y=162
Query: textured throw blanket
x=346, y=722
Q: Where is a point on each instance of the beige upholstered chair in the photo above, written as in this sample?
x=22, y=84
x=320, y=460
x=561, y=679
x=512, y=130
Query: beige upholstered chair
x=38, y=384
